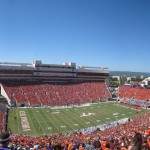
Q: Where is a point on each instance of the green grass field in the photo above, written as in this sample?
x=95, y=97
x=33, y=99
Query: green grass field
x=46, y=121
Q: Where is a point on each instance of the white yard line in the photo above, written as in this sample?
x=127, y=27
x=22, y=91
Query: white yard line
x=37, y=120
x=57, y=119
x=93, y=116
x=43, y=119
x=87, y=119
x=31, y=123
x=17, y=120
x=71, y=116
x=66, y=122
x=49, y=119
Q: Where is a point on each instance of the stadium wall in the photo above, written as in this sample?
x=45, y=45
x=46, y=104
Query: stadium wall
x=3, y=93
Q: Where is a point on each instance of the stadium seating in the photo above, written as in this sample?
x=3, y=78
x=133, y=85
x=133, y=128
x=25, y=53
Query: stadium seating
x=3, y=120
x=77, y=93
x=136, y=93
x=3, y=114
x=55, y=94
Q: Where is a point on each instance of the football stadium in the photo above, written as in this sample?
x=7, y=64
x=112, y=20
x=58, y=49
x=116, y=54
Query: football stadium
x=66, y=107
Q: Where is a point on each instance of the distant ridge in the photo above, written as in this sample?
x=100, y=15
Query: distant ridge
x=129, y=73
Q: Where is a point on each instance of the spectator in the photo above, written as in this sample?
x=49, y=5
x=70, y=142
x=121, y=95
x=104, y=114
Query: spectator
x=4, y=140
x=148, y=142
x=89, y=146
x=137, y=142
x=97, y=144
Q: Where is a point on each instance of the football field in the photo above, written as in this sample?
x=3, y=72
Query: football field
x=39, y=121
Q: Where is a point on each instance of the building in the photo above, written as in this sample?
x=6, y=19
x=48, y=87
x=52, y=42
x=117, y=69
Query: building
x=52, y=84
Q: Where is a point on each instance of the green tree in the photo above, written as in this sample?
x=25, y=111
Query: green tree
x=123, y=80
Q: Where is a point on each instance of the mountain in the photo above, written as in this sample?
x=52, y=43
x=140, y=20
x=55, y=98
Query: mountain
x=129, y=74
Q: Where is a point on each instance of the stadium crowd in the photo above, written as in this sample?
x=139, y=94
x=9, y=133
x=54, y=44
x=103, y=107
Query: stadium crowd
x=134, y=102
x=136, y=93
x=54, y=94
x=3, y=116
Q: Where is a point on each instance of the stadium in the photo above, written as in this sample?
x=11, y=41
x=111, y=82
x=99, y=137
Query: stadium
x=63, y=104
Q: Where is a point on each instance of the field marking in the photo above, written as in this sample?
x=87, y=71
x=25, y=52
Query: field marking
x=87, y=114
x=96, y=111
x=76, y=120
x=55, y=112
x=115, y=114
x=43, y=119
x=37, y=121
x=100, y=114
x=63, y=126
x=24, y=121
x=17, y=119
x=95, y=116
x=83, y=119
x=87, y=118
x=50, y=120
x=58, y=122
x=65, y=122
x=76, y=124
x=68, y=118
x=31, y=122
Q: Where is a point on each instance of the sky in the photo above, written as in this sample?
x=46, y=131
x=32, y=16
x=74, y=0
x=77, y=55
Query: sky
x=98, y=33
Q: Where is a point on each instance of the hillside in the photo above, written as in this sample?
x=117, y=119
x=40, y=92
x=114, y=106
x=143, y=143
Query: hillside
x=128, y=73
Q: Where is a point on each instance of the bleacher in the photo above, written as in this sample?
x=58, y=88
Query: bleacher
x=136, y=93
x=3, y=116
x=55, y=94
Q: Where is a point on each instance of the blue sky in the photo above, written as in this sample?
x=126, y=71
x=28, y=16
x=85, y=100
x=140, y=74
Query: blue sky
x=102, y=33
